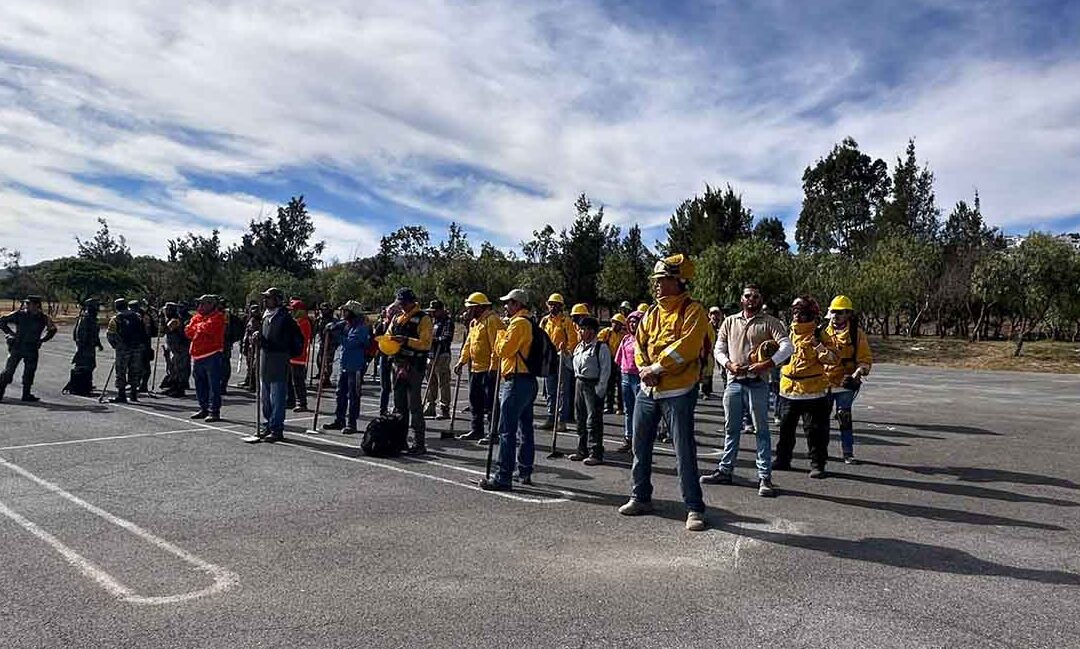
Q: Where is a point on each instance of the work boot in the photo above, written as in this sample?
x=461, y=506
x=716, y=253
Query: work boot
x=3, y=387
x=817, y=473
x=716, y=477
x=416, y=449
x=213, y=418
x=634, y=508
x=765, y=488
x=444, y=413
x=576, y=457
x=349, y=430
x=29, y=398
x=491, y=485
x=470, y=436
x=593, y=460
x=695, y=522
x=850, y=459
x=121, y=397
x=202, y=414
x=337, y=424
x=301, y=408
x=134, y=398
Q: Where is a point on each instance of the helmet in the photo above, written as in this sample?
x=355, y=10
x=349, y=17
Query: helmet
x=642, y=308
x=620, y=318
x=297, y=305
x=477, y=299
x=388, y=346
x=678, y=266
x=841, y=303
x=555, y=297
x=579, y=309
x=626, y=305
x=764, y=351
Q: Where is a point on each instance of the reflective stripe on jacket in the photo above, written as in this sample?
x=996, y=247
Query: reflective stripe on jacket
x=803, y=377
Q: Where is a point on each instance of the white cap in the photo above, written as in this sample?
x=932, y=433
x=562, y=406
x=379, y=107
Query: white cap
x=517, y=295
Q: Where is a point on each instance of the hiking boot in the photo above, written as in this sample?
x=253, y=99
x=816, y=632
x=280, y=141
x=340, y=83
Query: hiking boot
x=716, y=477
x=765, y=488
x=695, y=522
x=270, y=438
x=303, y=408
x=349, y=430
x=626, y=447
x=593, y=460
x=576, y=457
x=525, y=480
x=468, y=437
x=491, y=485
x=119, y=398
x=817, y=473
x=202, y=414
x=416, y=449
x=213, y=418
x=29, y=398
x=634, y=508
x=334, y=425
x=850, y=459
x=134, y=398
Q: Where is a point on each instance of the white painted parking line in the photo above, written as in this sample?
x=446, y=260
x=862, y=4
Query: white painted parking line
x=367, y=462
x=100, y=439
x=223, y=579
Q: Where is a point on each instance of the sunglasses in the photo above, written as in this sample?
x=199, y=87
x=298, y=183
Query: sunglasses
x=752, y=296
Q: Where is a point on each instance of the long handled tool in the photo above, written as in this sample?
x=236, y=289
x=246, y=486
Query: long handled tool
x=491, y=428
x=310, y=360
x=254, y=437
x=151, y=390
x=457, y=382
x=105, y=387
x=555, y=453
x=318, y=387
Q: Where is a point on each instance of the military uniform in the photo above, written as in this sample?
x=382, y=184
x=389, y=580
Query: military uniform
x=178, y=367
x=87, y=337
x=23, y=344
x=127, y=335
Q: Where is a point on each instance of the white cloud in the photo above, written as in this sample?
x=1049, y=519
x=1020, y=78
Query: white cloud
x=433, y=105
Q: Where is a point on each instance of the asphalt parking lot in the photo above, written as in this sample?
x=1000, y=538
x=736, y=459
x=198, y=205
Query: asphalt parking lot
x=132, y=526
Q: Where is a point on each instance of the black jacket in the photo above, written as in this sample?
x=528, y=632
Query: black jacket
x=278, y=333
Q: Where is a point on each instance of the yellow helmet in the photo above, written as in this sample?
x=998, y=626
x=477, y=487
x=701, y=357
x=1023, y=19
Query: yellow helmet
x=477, y=299
x=555, y=297
x=387, y=345
x=620, y=318
x=841, y=303
x=678, y=266
x=579, y=309
x=642, y=307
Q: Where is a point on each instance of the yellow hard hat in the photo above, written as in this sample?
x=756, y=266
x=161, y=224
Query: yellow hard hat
x=841, y=303
x=618, y=317
x=387, y=345
x=555, y=297
x=477, y=299
x=678, y=266
x=579, y=309
x=642, y=307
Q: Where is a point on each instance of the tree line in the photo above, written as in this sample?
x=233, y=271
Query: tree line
x=866, y=230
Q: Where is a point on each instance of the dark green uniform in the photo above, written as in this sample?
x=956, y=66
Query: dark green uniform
x=23, y=344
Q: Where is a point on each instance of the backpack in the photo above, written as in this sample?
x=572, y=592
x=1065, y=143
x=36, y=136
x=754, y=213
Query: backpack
x=385, y=437
x=538, y=360
x=129, y=328
x=80, y=383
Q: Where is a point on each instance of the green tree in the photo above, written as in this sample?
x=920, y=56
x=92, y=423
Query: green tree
x=283, y=242
x=718, y=217
x=1046, y=275
x=86, y=278
x=200, y=263
x=104, y=248
x=912, y=208
x=625, y=274
x=842, y=194
x=582, y=250
x=723, y=271
x=771, y=230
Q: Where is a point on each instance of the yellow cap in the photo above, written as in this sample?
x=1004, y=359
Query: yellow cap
x=579, y=309
x=388, y=346
x=555, y=297
x=841, y=303
x=642, y=307
x=618, y=317
x=678, y=266
x=477, y=299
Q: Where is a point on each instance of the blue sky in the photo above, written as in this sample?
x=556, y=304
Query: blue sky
x=165, y=119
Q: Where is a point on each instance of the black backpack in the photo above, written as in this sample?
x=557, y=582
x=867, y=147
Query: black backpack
x=385, y=437
x=129, y=328
x=80, y=383
x=542, y=355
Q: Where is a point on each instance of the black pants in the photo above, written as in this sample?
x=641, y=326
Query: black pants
x=386, y=383
x=481, y=398
x=614, y=401
x=408, y=396
x=590, y=418
x=146, y=365
x=817, y=432
x=226, y=367
x=297, y=386
x=29, y=358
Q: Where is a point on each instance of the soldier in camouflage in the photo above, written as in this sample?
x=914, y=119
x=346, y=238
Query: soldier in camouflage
x=24, y=342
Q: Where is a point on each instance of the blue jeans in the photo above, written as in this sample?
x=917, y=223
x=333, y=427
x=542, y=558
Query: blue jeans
x=566, y=400
x=630, y=384
x=841, y=403
x=348, y=396
x=679, y=412
x=516, y=398
x=736, y=396
x=274, y=396
x=207, y=373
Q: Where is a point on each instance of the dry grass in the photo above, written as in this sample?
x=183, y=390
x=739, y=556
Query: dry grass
x=1041, y=356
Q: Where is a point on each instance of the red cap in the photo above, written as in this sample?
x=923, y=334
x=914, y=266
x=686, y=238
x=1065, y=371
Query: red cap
x=297, y=305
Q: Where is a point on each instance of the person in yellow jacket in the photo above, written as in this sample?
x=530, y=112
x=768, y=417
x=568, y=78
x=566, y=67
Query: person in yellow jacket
x=564, y=338
x=612, y=336
x=845, y=377
x=412, y=329
x=670, y=340
x=804, y=388
x=517, y=395
x=478, y=353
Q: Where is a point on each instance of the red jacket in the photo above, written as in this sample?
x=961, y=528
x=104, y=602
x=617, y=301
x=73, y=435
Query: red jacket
x=305, y=328
x=207, y=334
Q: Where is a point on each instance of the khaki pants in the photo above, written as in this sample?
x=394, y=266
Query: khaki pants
x=439, y=385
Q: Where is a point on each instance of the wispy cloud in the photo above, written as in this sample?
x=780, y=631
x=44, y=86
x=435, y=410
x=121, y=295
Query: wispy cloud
x=165, y=118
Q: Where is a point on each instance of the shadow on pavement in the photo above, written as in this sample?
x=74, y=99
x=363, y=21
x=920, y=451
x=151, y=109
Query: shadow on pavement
x=956, y=490
x=938, y=428
x=56, y=407
x=907, y=554
x=926, y=512
x=976, y=474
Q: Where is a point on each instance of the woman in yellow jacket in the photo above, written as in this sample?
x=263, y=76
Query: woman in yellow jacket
x=845, y=377
x=804, y=388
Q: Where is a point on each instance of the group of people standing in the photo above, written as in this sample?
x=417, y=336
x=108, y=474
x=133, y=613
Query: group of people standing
x=649, y=365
